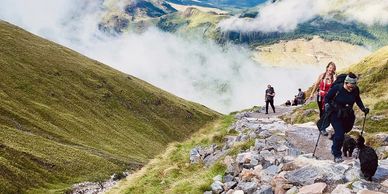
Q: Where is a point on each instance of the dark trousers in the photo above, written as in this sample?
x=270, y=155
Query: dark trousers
x=319, y=102
x=266, y=105
x=341, y=126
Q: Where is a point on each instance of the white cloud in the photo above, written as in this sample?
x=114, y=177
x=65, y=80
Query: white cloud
x=222, y=78
x=368, y=12
x=285, y=15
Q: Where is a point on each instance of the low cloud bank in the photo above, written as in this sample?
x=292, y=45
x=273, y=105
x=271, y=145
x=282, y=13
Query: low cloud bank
x=285, y=15
x=222, y=78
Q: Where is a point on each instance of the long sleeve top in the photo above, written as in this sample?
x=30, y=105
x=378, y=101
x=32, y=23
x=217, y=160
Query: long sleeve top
x=344, y=98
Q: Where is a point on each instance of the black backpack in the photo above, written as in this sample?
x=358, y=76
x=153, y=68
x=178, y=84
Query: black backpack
x=340, y=79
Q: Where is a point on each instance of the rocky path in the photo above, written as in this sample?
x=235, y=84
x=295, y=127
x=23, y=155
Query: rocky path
x=280, y=161
x=302, y=136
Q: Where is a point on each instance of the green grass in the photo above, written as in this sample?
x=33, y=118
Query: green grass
x=65, y=118
x=303, y=114
x=172, y=172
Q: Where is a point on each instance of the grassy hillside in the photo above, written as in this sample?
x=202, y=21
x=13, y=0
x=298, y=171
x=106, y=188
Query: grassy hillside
x=65, y=118
x=191, y=22
x=353, y=33
x=373, y=73
x=171, y=172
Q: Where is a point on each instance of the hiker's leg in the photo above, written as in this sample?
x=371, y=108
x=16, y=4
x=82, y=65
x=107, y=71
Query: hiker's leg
x=319, y=106
x=339, y=135
x=266, y=106
x=273, y=107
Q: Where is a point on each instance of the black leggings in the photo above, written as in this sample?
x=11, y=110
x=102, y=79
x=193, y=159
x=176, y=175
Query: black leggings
x=266, y=105
x=319, y=102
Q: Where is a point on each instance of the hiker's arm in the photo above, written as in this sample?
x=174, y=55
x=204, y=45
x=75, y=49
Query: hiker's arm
x=360, y=104
x=316, y=86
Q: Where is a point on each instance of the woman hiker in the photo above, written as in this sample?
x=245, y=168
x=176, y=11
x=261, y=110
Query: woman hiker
x=340, y=100
x=323, y=83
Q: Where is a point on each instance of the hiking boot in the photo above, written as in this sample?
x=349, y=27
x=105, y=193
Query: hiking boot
x=324, y=132
x=338, y=159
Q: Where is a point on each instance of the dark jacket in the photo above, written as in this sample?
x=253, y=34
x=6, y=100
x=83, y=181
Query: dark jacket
x=269, y=91
x=342, y=101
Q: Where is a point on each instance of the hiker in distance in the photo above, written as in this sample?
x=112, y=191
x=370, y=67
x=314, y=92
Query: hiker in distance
x=323, y=84
x=269, y=96
x=300, y=97
x=339, y=101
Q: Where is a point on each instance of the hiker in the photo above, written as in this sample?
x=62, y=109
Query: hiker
x=323, y=84
x=269, y=95
x=295, y=101
x=339, y=101
x=300, y=97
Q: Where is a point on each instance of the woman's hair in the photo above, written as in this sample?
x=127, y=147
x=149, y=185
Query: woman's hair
x=331, y=63
x=352, y=75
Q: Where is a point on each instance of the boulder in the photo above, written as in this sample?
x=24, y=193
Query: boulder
x=382, y=152
x=247, y=175
x=247, y=187
x=238, y=192
x=343, y=189
x=265, y=189
x=228, y=178
x=259, y=144
x=366, y=191
x=195, y=155
x=354, y=172
x=268, y=173
x=217, y=187
x=293, y=190
x=229, y=185
x=212, y=158
x=265, y=134
x=316, y=170
x=382, y=171
x=244, y=158
x=385, y=183
x=316, y=188
x=232, y=167
x=217, y=178
x=382, y=138
x=278, y=184
x=366, y=185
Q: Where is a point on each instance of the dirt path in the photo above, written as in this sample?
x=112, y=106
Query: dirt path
x=302, y=136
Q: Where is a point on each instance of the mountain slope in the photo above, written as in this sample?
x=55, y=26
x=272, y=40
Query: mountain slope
x=373, y=71
x=65, y=118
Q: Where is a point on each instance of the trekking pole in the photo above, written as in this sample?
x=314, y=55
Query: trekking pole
x=363, y=124
x=316, y=145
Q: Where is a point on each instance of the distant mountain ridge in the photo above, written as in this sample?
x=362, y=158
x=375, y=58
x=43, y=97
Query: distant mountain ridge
x=328, y=28
x=66, y=119
x=220, y=3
